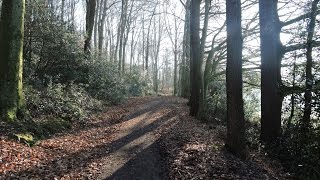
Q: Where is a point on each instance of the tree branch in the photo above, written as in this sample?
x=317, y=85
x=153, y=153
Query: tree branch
x=299, y=18
x=300, y=46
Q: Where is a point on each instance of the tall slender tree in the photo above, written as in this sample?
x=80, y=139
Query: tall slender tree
x=309, y=77
x=271, y=55
x=235, y=115
x=91, y=8
x=173, y=29
x=11, y=61
x=101, y=24
x=185, y=64
x=122, y=28
x=195, y=73
x=62, y=10
x=202, y=100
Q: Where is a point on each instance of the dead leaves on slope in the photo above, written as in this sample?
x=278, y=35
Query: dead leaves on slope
x=196, y=151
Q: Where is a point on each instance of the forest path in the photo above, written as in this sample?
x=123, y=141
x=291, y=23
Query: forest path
x=144, y=138
x=136, y=152
x=121, y=142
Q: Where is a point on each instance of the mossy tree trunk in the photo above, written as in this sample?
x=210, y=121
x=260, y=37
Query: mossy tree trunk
x=11, y=61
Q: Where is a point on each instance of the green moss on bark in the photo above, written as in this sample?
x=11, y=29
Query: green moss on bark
x=11, y=60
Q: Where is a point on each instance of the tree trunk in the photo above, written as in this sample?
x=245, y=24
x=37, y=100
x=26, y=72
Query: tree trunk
x=309, y=78
x=271, y=55
x=175, y=61
x=156, y=59
x=11, y=61
x=125, y=41
x=202, y=100
x=126, y=35
x=123, y=21
x=235, y=115
x=148, y=44
x=91, y=7
x=132, y=48
x=143, y=44
x=73, y=10
x=147, y=50
x=292, y=95
x=62, y=10
x=195, y=74
x=96, y=23
x=101, y=27
x=185, y=73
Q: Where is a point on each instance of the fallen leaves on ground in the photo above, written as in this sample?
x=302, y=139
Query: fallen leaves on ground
x=196, y=150
x=193, y=150
x=73, y=154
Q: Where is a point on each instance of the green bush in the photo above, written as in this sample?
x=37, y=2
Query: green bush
x=69, y=102
x=105, y=82
x=299, y=155
x=134, y=84
x=52, y=51
x=217, y=102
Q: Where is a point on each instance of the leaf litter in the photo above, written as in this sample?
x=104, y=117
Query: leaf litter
x=190, y=149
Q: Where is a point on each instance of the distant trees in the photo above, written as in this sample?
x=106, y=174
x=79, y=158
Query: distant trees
x=11, y=60
x=235, y=115
x=173, y=29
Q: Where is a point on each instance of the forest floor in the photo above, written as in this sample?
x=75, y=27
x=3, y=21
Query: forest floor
x=143, y=138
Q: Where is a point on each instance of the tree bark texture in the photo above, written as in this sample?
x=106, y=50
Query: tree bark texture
x=235, y=114
x=91, y=8
x=202, y=100
x=271, y=55
x=185, y=65
x=11, y=61
x=101, y=28
x=195, y=74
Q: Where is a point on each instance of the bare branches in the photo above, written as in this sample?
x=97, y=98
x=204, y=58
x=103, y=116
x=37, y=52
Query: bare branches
x=299, y=18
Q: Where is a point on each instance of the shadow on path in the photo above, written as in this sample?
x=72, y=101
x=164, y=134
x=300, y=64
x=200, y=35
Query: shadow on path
x=76, y=162
x=148, y=164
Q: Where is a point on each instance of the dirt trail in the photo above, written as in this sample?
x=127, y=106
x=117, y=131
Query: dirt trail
x=145, y=138
x=136, y=152
x=120, y=143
